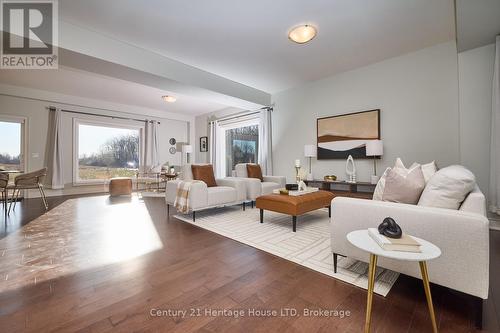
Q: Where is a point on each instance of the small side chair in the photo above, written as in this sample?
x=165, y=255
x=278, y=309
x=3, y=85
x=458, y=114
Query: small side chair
x=29, y=181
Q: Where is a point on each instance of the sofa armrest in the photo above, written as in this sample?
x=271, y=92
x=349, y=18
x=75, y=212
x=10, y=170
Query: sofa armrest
x=253, y=188
x=236, y=183
x=198, y=194
x=171, y=191
x=281, y=180
x=463, y=238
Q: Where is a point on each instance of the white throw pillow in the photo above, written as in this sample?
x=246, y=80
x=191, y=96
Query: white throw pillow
x=428, y=170
x=404, y=186
x=448, y=188
x=379, y=189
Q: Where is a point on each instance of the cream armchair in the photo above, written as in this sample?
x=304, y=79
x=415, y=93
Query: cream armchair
x=256, y=188
x=229, y=191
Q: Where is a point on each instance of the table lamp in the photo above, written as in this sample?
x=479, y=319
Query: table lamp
x=310, y=152
x=374, y=148
x=187, y=149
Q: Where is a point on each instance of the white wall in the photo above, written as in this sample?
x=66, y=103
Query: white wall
x=201, y=128
x=37, y=128
x=418, y=97
x=475, y=81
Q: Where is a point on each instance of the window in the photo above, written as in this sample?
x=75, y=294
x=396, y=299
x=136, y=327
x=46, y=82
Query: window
x=11, y=144
x=104, y=151
x=242, y=146
x=239, y=144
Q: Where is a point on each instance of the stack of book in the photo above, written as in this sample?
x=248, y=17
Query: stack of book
x=296, y=192
x=405, y=244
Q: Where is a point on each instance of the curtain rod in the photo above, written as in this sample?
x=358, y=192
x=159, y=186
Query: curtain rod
x=243, y=114
x=101, y=115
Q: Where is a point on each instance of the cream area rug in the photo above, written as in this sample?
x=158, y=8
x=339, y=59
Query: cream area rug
x=309, y=246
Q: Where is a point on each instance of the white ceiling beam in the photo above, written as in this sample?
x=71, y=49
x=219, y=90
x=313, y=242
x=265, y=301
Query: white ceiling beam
x=86, y=50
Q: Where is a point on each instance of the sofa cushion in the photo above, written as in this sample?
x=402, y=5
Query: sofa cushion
x=448, y=188
x=254, y=171
x=268, y=187
x=205, y=173
x=219, y=195
x=404, y=186
x=241, y=170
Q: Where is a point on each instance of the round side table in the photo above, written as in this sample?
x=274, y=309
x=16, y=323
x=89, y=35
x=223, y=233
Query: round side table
x=362, y=240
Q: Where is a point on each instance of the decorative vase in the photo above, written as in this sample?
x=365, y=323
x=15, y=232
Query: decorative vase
x=297, y=177
x=350, y=170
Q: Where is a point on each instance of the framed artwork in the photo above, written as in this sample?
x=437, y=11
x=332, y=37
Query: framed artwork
x=204, y=144
x=344, y=135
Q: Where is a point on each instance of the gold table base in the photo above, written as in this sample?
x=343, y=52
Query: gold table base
x=371, y=284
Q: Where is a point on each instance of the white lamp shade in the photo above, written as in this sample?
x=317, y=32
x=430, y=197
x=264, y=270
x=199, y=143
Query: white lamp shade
x=187, y=149
x=374, y=148
x=310, y=151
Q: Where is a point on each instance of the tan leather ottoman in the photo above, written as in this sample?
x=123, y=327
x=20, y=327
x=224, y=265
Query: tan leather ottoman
x=294, y=205
x=120, y=186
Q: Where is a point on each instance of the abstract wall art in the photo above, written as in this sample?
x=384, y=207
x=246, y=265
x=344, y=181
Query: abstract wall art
x=344, y=135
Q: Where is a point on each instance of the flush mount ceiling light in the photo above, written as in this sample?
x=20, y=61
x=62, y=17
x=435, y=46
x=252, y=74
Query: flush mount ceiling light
x=302, y=33
x=169, y=99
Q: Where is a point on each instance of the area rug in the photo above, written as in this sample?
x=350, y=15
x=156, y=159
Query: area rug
x=309, y=246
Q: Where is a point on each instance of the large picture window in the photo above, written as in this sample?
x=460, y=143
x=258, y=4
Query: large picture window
x=105, y=151
x=242, y=146
x=11, y=144
x=239, y=143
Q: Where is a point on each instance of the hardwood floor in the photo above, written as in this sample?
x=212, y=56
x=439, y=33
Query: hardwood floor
x=95, y=265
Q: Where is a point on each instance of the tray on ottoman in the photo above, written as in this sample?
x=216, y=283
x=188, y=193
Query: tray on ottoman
x=294, y=205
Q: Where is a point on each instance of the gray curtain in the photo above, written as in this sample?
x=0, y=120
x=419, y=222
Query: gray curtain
x=56, y=158
x=212, y=146
x=265, y=142
x=151, y=147
x=495, y=135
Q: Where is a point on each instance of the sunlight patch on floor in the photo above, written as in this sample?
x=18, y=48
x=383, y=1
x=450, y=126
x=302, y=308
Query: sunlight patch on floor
x=79, y=234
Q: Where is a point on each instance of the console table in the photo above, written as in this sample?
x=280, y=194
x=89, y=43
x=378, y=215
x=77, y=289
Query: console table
x=361, y=190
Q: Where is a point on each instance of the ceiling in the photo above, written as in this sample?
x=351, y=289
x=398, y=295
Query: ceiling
x=478, y=22
x=90, y=85
x=246, y=41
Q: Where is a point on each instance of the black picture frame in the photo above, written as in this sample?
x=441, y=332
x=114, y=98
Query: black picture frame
x=204, y=144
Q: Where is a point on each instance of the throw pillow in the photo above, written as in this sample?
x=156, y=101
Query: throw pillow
x=448, y=188
x=254, y=171
x=428, y=169
x=379, y=189
x=205, y=173
x=404, y=186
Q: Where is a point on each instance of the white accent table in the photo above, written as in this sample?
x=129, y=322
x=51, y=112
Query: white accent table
x=362, y=240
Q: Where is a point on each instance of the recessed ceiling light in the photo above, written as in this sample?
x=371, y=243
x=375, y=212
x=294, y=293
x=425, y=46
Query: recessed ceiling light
x=302, y=33
x=169, y=99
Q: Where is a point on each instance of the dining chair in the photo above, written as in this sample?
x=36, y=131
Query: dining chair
x=4, y=182
x=28, y=181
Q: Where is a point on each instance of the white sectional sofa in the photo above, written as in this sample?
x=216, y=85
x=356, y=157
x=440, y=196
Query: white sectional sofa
x=254, y=186
x=462, y=235
x=229, y=191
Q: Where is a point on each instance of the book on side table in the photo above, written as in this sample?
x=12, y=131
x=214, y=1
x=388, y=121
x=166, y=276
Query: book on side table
x=405, y=244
